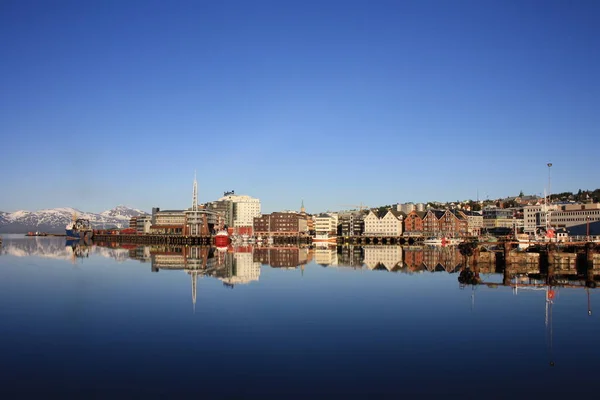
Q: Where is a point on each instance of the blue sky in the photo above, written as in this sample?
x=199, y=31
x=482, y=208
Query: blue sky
x=334, y=102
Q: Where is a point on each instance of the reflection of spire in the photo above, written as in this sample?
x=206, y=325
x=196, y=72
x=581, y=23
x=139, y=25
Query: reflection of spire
x=589, y=305
x=194, y=276
x=302, y=269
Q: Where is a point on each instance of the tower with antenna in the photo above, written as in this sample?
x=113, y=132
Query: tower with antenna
x=195, y=194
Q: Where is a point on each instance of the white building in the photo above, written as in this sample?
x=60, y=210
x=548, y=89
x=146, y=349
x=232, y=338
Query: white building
x=386, y=223
x=143, y=224
x=567, y=215
x=245, y=208
x=326, y=224
x=534, y=217
x=474, y=222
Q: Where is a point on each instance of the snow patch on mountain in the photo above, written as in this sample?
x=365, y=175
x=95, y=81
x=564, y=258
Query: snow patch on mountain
x=54, y=220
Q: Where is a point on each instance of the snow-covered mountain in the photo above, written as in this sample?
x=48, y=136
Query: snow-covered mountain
x=54, y=220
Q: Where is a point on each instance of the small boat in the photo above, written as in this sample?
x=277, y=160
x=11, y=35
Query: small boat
x=442, y=241
x=324, y=238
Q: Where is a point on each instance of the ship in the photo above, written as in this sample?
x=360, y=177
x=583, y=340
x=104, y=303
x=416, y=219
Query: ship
x=79, y=228
x=222, y=238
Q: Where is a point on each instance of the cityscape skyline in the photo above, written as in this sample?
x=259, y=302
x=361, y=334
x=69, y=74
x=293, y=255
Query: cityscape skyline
x=333, y=103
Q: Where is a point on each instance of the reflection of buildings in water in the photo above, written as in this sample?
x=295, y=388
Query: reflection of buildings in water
x=383, y=257
x=195, y=257
x=413, y=258
x=351, y=256
x=140, y=253
x=432, y=259
x=240, y=268
x=282, y=257
x=325, y=256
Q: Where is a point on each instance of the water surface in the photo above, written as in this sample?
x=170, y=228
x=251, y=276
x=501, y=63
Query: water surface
x=93, y=321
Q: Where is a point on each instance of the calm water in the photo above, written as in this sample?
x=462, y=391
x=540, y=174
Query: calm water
x=287, y=323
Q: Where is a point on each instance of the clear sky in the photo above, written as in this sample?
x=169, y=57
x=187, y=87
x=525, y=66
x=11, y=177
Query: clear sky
x=334, y=102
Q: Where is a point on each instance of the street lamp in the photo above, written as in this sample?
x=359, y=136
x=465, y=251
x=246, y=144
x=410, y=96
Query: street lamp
x=549, y=182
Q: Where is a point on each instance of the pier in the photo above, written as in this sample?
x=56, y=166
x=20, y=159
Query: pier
x=379, y=240
x=176, y=240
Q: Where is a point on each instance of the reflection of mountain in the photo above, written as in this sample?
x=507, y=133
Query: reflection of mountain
x=47, y=247
x=56, y=247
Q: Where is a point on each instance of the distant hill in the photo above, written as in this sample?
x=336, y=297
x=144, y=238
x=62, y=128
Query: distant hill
x=54, y=220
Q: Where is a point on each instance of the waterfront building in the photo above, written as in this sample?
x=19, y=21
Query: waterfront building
x=444, y=223
x=474, y=222
x=413, y=223
x=133, y=222
x=351, y=223
x=494, y=217
x=170, y=222
x=310, y=223
x=238, y=211
x=383, y=257
x=431, y=226
x=280, y=224
x=534, y=218
x=143, y=224
x=383, y=223
x=568, y=215
x=224, y=209
x=326, y=224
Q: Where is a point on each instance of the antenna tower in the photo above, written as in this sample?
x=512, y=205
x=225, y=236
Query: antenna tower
x=195, y=194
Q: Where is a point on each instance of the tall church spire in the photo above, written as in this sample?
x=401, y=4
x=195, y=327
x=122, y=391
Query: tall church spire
x=302, y=210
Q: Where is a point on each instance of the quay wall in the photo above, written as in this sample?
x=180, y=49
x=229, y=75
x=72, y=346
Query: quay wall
x=184, y=240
